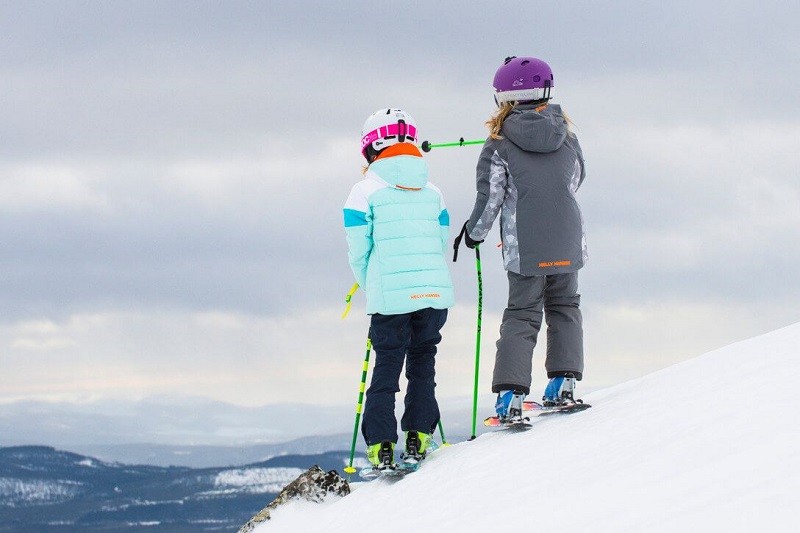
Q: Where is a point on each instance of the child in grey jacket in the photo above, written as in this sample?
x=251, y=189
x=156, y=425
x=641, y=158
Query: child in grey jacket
x=528, y=172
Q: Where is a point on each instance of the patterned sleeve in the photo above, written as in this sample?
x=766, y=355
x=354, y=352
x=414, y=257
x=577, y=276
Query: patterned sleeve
x=580, y=173
x=491, y=184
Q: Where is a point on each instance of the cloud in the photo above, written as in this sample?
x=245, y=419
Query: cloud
x=248, y=359
x=254, y=360
x=173, y=175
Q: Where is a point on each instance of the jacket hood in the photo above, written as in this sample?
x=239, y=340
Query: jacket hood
x=402, y=171
x=536, y=131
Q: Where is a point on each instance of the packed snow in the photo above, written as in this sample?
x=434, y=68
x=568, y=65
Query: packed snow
x=710, y=444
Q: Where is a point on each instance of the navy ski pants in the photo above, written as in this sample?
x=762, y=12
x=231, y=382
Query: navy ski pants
x=409, y=338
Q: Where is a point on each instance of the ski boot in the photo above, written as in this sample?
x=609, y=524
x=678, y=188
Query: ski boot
x=509, y=406
x=560, y=391
x=416, y=447
x=381, y=455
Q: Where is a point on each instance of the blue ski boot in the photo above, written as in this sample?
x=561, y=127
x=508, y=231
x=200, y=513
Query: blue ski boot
x=509, y=406
x=560, y=391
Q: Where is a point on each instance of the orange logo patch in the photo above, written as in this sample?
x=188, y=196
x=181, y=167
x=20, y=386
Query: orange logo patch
x=555, y=264
x=429, y=295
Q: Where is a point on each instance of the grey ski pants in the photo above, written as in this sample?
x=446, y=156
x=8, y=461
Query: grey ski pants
x=558, y=296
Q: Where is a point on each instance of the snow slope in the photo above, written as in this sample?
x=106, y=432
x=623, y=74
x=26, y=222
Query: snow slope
x=710, y=444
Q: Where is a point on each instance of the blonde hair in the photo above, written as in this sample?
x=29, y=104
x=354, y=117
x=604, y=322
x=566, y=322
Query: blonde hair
x=495, y=123
x=570, y=124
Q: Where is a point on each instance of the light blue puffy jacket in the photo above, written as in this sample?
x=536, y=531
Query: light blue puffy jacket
x=397, y=229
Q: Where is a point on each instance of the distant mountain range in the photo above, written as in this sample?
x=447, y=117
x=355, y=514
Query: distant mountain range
x=43, y=489
x=165, y=420
x=209, y=456
x=195, y=432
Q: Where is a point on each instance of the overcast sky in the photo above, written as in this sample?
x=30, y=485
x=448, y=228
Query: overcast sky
x=172, y=176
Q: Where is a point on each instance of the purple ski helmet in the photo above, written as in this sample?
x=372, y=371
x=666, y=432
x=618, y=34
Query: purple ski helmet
x=520, y=79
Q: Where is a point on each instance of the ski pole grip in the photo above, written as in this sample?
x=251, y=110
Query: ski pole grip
x=349, y=300
x=457, y=242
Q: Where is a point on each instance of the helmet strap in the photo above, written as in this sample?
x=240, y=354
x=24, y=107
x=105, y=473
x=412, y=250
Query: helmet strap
x=369, y=154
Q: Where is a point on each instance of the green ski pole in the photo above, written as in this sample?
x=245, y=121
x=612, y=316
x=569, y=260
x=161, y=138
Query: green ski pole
x=441, y=432
x=427, y=146
x=456, y=245
x=477, y=341
x=349, y=468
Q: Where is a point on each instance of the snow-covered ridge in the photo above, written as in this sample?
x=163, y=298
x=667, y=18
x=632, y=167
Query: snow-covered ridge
x=256, y=480
x=41, y=487
x=710, y=444
x=37, y=492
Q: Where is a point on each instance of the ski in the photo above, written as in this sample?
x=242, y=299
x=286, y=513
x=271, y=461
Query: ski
x=537, y=409
x=371, y=473
x=396, y=471
x=514, y=425
x=409, y=466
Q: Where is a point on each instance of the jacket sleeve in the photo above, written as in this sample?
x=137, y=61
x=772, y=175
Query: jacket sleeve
x=444, y=216
x=580, y=159
x=444, y=224
x=491, y=185
x=580, y=171
x=358, y=227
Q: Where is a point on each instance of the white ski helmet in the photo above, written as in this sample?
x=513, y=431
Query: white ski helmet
x=386, y=127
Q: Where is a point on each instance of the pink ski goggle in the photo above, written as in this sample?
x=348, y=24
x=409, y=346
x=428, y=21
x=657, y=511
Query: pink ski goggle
x=400, y=129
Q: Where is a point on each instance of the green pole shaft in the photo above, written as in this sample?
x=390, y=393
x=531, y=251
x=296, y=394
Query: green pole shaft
x=349, y=468
x=477, y=341
x=457, y=143
x=427, y=146
x=441, y=432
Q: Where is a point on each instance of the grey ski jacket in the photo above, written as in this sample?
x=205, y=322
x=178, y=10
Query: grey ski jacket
x=530, y=178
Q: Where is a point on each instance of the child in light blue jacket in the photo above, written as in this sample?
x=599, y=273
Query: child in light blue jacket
x=397, y=230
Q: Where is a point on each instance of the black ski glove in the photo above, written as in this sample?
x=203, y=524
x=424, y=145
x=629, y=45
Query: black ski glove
x=471, y=244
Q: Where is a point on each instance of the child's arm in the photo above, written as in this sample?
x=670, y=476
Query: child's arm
x=491, y=185
x=444, y=217
x=444, y=223
x=572, y=140
x=358, y=226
